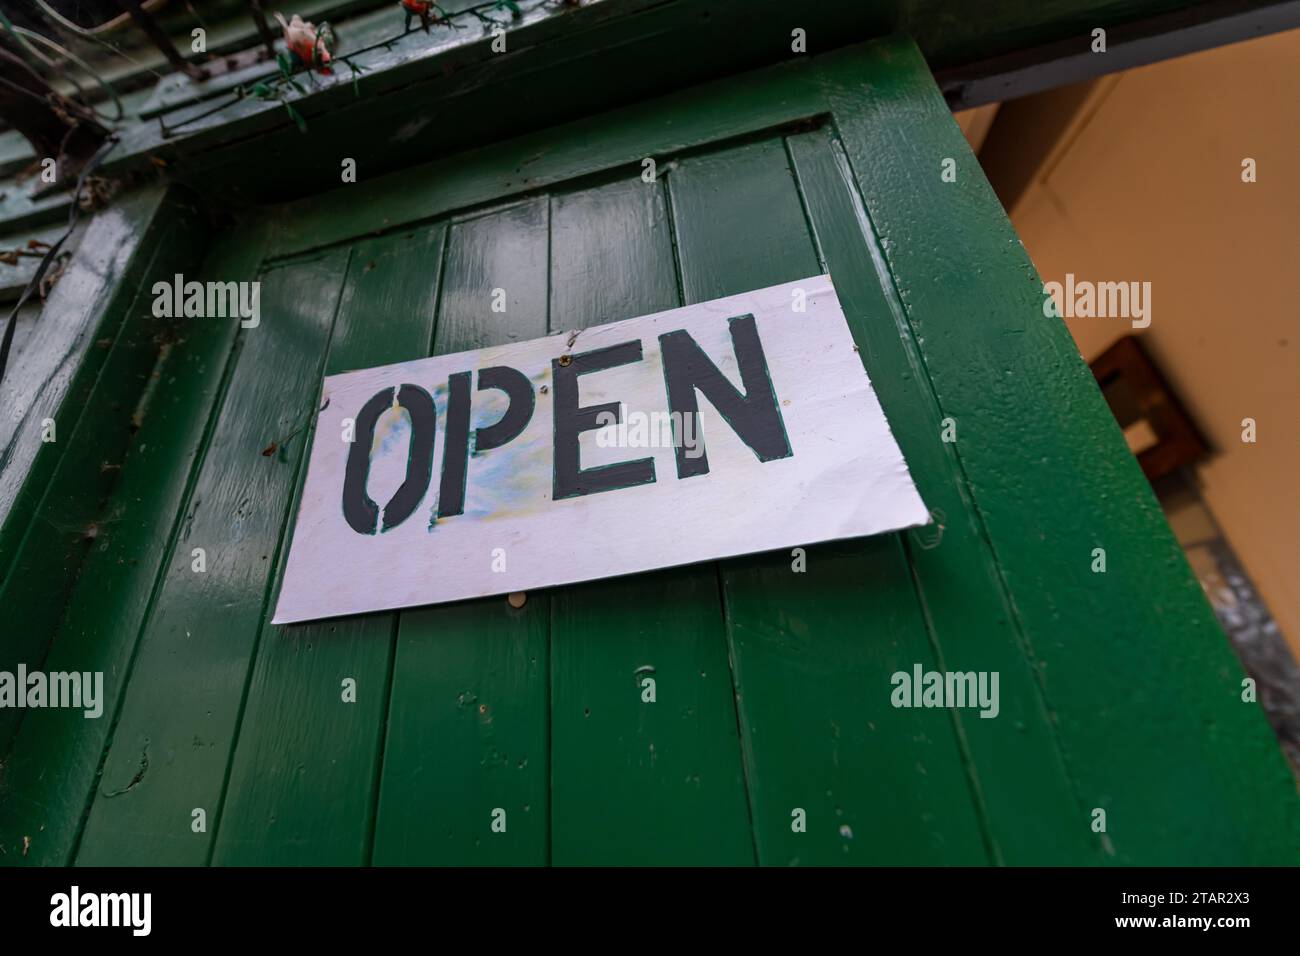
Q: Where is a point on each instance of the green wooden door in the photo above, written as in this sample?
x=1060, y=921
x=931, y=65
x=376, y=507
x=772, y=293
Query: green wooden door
x=773, y=681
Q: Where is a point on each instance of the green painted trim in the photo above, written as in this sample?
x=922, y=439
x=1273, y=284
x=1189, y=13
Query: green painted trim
x=1026, y=798
x=681, y=122
x=101, y=623
x=90, y=299
x=1144, y=690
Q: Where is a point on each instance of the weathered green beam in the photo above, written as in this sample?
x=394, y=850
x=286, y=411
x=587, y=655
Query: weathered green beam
x=61, y=361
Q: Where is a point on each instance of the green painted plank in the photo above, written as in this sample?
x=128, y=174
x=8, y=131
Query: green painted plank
x=80, y=343
x=813, y=651
x=92, y=429
x=102, y=620
x=635, y=782
x=171, y=747
x=96, y=424
x=1145, y=689
x=60, y=365
x=739, y=224
x=467, y=719
x=611, y=254
x=658, y=128
x=298, y=738
x=1026, y=793
x=467, y=735
x=504, y=250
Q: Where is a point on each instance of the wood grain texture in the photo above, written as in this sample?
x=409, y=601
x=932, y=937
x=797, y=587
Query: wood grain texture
x=659, y=128
x=97, y=285
x=468, y=716
x=110, y=601
x=88, y=359
x=298, y=738
x=95, y=424
x=1019, y=773
x=171, y=747
x=635, y=782
x=1143, y=688
x=813, y=651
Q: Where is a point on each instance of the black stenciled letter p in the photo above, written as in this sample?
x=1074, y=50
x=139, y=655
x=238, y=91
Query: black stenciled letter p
x=360, y=512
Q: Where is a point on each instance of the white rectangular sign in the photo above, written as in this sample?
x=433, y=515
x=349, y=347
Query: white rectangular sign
x=735, y=426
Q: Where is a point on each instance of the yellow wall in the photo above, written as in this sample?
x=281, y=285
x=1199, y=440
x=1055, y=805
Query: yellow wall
x=1146, y=185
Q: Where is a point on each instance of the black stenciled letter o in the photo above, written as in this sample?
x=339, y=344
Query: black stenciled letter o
x=360, y=512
